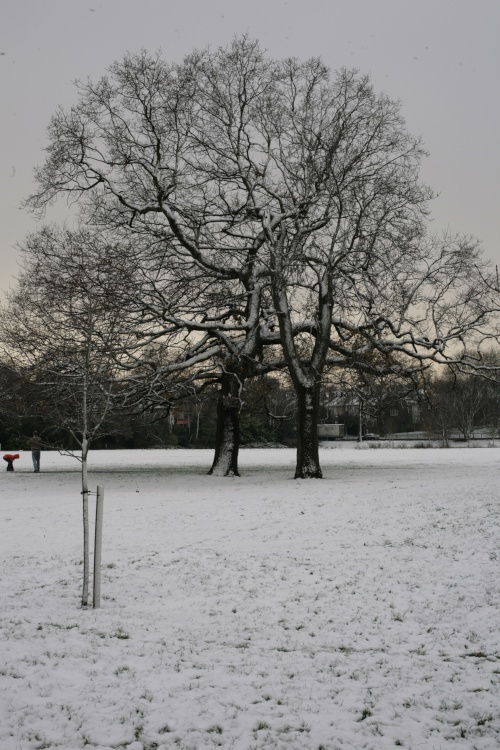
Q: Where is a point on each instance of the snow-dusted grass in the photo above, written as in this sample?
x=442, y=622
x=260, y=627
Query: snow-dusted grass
x=359, y=611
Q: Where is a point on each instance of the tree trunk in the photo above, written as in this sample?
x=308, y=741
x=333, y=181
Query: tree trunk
x=227, y=436
x=85, y=503
x=307, y=432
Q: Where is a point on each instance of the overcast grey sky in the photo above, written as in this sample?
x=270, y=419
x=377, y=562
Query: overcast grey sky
x=441, y=58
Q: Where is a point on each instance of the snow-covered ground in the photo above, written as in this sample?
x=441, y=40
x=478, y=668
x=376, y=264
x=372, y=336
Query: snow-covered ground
x=360, y=611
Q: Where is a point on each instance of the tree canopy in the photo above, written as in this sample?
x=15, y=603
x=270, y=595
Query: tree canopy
x=277, y=216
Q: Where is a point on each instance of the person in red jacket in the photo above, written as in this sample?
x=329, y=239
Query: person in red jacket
x=10, y=458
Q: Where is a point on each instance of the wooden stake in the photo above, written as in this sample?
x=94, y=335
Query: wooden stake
x=98, y=546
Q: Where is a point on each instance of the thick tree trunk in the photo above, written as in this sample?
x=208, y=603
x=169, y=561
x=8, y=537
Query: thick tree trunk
x=227, y=437
x=307, y=432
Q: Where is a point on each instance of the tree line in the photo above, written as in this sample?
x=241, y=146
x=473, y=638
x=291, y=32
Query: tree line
x=443, y=406
x=241, y=221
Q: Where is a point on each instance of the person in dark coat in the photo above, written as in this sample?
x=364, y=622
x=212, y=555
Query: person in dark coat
x=35, y=445
x=10, y=458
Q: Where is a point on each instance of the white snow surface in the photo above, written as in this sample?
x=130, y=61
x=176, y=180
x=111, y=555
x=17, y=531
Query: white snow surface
x=356, y=611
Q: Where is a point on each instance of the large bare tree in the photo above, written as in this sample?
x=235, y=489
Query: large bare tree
x=286, y=198
x=176, y=153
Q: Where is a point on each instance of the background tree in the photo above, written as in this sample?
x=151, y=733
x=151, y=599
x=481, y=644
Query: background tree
x=15, y=413
x=469, y=395
x=367, y=402
x=460, y=403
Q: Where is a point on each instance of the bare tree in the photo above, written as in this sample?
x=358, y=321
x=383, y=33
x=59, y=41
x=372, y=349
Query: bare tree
x=439, y=418
x=287, y=200
x=356, y=262
x=470, y=403
x=173, y=152
x=62, y=332
x=354, y=265
x=460, y=402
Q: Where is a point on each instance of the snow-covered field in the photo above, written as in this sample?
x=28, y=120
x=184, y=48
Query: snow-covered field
x=360, y=611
